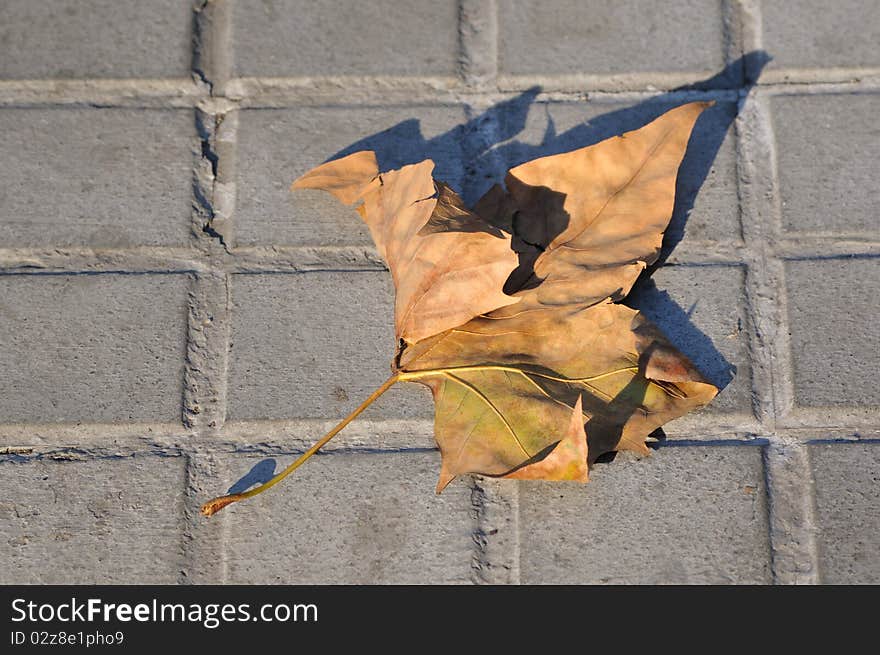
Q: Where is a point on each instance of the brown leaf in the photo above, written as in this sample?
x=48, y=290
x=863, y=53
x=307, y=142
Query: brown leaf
x=588, y=222
x=448, y=265
x=504, y=388
x=585, y=224
x=345, y=178
x=540, y=388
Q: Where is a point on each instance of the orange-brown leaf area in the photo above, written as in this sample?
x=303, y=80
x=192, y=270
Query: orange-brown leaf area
x=508, y=310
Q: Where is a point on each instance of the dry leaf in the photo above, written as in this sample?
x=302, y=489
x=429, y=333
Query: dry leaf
x=448, y=265
x=586, y=223
x=508, y=377
x=537, y=384
x=504, y=388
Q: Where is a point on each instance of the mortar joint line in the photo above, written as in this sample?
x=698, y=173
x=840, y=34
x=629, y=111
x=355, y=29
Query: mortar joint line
x=792, y=527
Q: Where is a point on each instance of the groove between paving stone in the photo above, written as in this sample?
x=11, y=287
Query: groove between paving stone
x=478, y=41
x=790, y=493
x=206, y=364
x=293, y=259
x=732, y=32
x=205, y=551
x=791, y=505
x=495, y=504
x=293, y=446
x=385, y=435
x=381, y=91
x=762, y=291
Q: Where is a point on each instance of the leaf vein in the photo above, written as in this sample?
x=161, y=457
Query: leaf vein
x=489, y=403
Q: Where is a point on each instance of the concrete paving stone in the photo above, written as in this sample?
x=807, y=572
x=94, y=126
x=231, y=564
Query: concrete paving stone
x=847, y=480
x=96, y=177
x=278, y=145
x=350, y=518
x=102, y=521
x=314, y=345
x=682, y=516
x=707, y=204
x=833, y=318
x=97, y=348
x=828, y=181
x=701, y=309
x=815, y=33
x=284, y=38
x=597, y=37
x=95, y=38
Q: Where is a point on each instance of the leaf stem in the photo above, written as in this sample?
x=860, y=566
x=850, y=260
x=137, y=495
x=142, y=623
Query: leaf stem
x=216, y=504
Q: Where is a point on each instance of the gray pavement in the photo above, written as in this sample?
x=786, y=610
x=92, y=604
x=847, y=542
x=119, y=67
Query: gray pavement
x=174, y=323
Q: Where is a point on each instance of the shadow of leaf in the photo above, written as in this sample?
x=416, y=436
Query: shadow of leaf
x=676, y=323
x=261, y=472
